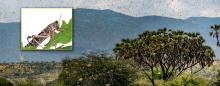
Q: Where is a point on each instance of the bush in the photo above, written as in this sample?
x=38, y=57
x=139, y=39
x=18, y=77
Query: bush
x=186, y=80
x=183, y=80
x=4, y=82
x=96, y=70
x=217, y=83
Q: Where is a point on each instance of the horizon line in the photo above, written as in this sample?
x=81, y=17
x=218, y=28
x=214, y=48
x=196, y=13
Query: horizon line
x=17, y=21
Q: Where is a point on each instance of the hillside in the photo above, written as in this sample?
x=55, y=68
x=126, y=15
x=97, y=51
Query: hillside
x=100, y=30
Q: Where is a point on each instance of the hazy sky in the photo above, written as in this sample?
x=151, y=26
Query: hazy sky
x=10, y=9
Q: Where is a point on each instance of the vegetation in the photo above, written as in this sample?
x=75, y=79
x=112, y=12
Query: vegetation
x=217, y=83
x=30, y=73
x=28, y=47
x=4, y=82
x=186, y=80
x=27, y=83
x=63, y=37
x=215, y=33
x=36, y=74
x=171, y=52
x=96, y=70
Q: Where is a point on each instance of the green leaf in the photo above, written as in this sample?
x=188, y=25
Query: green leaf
x=28, y=47
x=64, y=37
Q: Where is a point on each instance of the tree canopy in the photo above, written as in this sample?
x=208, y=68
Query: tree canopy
x=215, y=33
x=170, y=51
x=96, y=70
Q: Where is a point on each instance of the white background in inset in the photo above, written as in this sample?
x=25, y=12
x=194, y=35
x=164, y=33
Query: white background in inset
x=34, y=20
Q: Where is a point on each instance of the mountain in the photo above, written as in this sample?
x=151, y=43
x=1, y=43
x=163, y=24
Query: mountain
x=96, y=30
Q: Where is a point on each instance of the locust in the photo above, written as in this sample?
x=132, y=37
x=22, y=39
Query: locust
x=49, y=31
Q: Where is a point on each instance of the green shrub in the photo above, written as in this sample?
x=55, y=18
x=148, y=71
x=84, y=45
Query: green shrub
x=183, y=80
x=217, y=83
x=60, y=83
x=96, y=70
x=4, y=82
x=186, y=80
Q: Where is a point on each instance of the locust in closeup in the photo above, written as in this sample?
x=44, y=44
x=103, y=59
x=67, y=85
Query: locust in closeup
x=49, y=31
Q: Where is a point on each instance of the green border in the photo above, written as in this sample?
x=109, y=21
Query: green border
x=21, y=47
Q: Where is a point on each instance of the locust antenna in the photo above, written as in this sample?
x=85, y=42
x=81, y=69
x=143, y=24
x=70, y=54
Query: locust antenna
x=59, y=19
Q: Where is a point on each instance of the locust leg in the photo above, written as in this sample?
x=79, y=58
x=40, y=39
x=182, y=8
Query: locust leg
x=37, y=43
x=38, y=36
x=41, y=37
x=51, y=37
x=33, y=38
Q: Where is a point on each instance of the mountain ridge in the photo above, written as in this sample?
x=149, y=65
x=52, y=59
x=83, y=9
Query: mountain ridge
x=100, y=30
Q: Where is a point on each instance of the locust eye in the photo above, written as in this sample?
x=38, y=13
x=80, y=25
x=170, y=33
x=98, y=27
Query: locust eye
x=56, y=22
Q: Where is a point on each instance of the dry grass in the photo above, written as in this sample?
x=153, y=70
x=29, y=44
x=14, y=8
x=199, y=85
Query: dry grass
x=33, y=72
x=216, y=63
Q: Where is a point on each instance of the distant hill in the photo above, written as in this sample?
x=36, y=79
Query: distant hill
x=100, y=30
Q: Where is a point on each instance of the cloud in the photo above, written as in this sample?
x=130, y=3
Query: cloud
x=6, y=12
x=210, y=12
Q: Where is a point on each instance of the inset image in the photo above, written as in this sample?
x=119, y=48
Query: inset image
x=46, y=29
